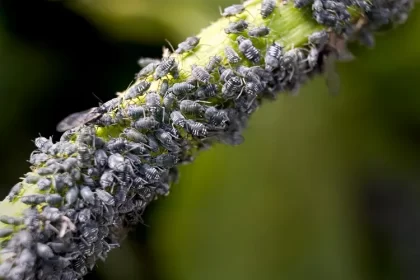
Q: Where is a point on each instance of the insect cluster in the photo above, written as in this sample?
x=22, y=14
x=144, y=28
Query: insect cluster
x=90, y=189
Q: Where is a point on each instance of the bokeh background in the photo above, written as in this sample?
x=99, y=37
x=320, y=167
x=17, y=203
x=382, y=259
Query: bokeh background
x=324, y=187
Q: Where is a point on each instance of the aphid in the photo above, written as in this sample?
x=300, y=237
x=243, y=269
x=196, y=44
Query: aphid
x=101, y=158
x=11, y=220
x=71, y=195
x=146, y=123
x=44, y=183
x=79, y=118
x=236, y=27
x=231, y=55
x=151, y=173
x=32, y=179
x=136, y=112
x=187, y=45
x=226, y=74
x=54, y=199
x=232, y=87
x=107, y=179
x=195, y=128
x=164, y=68
x=213, y=63
x=136, y=148
x=312, y=58
x=43, y=144
x=144, y=61
x=260, y=31
x=68, y=149
x=134, y=135
x=33, y=199
x=207, y=91
x=267, y=7
x=233, y=10
x=153, y=144
x=110, y=104
x=169, y=100
x=79, y=266
x=183, y=88
x=200, y=74
x=164, y=137
x=84, y=155
x=147, y=70
x=84, y=215
x=166, y=160
x=26, y=258
x=116, y=144
x=88, y=181
x=252, y=88
x=137, y=89
x=87, y=195
x=319, y=39
x=248, y=50
x=105, y=197
x=152, y=101
x=38, y=158
x=116, y=162
x=163, y=87
x=318, y=5
x=190, y=107
x=215, y=117
x=177, y=118
x=272, y=57
x=302, y=3
x=17, y=272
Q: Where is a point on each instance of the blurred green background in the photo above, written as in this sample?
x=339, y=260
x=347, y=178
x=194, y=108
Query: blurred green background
x=324, y=187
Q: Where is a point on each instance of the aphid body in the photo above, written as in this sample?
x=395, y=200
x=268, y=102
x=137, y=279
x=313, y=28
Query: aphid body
x=236, y=27
x=248, y=50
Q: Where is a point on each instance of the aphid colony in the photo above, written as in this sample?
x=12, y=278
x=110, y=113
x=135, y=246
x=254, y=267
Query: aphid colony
x=91, y=190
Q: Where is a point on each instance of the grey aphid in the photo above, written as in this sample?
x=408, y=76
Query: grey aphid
x=11, y=220
x=231, y=55
x=164, y=68
x=68, y=149
x=144, y=61
x=259, y=31
x=319, y=39
x=37, y=158
x=195, y=128
x=69, y=163
x=166, y=139
x=177, y=118
x=253, y=88
x=226, y=74
x=187, y=45
x=43, y=144
x=79, y=118
x=116, y=162
x=146, y=123
x=84, y=215
x=248, y=50
x=33, y=199
x=169, y=100
x=71, y=195
x=137, y=89
x=88, y=181
x=151, y=173
x=44, y=251
x=206, y=91
x=267, y=7
x=134, y=135
x=27, y=258
x=272, y=56
x=191, y=107
x=236, y=27
x=101, y=158
x=105, y=120
x=110, y=104
x=152, y=101
x=93, y=172
x=44, y=183
x=87, y=195
x=302, y=3
x=54, y=199
x=79, y=266
x=181, y=89
x=213, y=63
x=136, y=112
x=233, y=10
x=17, y=273
x=48, y=170
x=232, y=87
x=153, y=144
x=116, y=144
x=32, y=179
x=105, y=197
x=147, y=70
x=200, y=74
x=312, y=58
x=166, y=160
x=164, y=85
x=216, y=117
x=318, y=6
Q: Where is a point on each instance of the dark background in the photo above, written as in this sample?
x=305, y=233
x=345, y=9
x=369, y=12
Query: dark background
x=324, y=187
